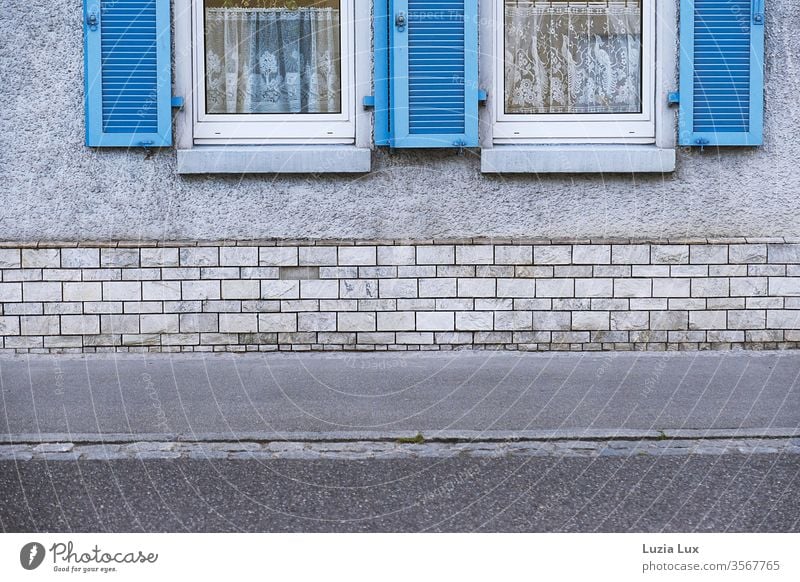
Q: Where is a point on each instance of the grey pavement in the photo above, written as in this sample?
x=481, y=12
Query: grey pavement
x=756, y=493
x=369, y=395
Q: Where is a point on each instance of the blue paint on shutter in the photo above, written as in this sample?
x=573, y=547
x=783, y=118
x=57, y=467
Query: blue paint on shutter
x=127, y=68
x=427, y=89
x=722, y=72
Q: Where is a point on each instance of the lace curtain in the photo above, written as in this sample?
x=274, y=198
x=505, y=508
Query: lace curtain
x=573, y=57
x=272, y=60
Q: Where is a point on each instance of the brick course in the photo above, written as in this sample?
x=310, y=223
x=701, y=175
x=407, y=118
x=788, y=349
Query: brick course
x=379, y=295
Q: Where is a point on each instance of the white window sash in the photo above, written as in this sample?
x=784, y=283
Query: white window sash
x=576, y=127
x=254, y=128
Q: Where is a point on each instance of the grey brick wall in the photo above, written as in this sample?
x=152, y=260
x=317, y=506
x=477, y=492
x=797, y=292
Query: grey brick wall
x=401, y=295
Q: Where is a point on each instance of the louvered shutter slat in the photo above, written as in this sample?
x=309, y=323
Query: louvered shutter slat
x=426, y=74
x=127, y=73
x=722, y=70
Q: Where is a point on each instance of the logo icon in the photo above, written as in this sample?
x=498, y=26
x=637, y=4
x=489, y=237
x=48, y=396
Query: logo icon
x=31, y=555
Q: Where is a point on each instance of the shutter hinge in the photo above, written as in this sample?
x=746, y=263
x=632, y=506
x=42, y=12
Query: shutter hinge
x=369, y=101
x=482, y=96
x=674, y=97
x=93, y=18
x=758, y=12
x=701, y=142
x=460, y=144
x=177, y=102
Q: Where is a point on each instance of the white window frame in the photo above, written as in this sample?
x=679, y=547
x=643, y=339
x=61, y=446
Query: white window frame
x=630, y=128
x=312, y=128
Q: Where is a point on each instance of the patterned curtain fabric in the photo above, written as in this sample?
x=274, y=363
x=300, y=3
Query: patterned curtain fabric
x=573, y=57
x=273, y=60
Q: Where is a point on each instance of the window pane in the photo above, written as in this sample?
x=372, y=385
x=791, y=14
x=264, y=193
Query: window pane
x=573, y=56
x=273, y=56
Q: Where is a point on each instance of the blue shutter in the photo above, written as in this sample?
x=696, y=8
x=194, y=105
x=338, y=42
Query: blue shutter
x=427, y=95
x=127, y=71
x=722, y=72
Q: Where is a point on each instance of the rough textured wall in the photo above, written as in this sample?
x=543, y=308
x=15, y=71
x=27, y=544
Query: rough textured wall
x=53, y=187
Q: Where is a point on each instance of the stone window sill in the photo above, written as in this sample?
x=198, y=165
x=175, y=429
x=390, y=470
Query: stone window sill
x=274, y=159
x=577, y=158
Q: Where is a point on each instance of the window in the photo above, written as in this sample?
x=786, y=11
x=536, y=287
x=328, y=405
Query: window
x=273, y=71
x=574, y=71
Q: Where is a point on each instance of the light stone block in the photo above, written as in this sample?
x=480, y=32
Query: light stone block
x=358, y=289
x=162, y=323
x=41, y=258
x=122, y=258
x=552, y=254
x=397, y=255
x=594, y=287
x=783, y=319
x=238, y=322
x=396, y=320
x=397, y=288
x=356, y=322
x=630, y=320
x=513, y=255
x=776, y=253
x=34, y=291
x=435, y=321
x=748, y=286
x=200, y=290
x=516, y=288
x=550, y=320
x=10, y=292
x=415, y=338
x=437, y=287
x=122, y=291
x=280, y=289
x=513, y=320
x=435, y=255
x=630, y=254
x=669, y=320
x=555, y=287
x=707, y=320
x=241, y=289
x=358, y=256
x=277, y=322
x=707, y=254
x=10, y=259
x=316, y=322
x=474, y=254
x=319, y=289
x=199, y=322
x=80, y=324
x=671, y=287
x=711, y=287
x=161, y=290
x=590, y=320
x=780, y=286
x=199, y=256
x=9, y=325
x=39, y=324
x=476, y=288
x=747, y=319
x=475, y=321
x=159, y=257
x=633, y=287
x=80, y=258
x=669, y=254
x=591, y=254
x=748, y=253
x=317, y=256
x=238, y=256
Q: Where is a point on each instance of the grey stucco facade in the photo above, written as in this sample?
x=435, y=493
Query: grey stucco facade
x=54, y=188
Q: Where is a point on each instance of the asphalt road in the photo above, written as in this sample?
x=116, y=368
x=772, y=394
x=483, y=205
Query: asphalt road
x=697, y=493
x=277, y=394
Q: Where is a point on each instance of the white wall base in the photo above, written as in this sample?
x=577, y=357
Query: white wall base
x=554, y=159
